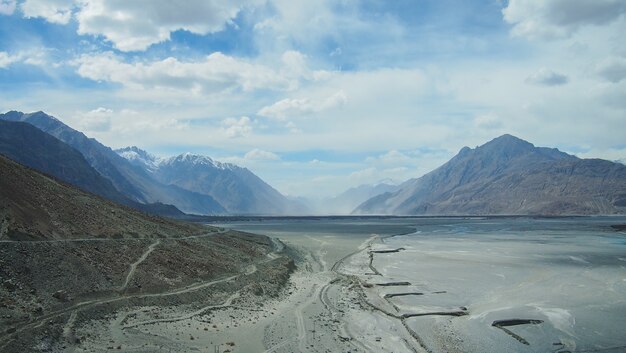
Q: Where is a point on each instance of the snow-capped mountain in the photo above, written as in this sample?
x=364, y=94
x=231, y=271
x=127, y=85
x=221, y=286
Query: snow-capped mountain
x=197, y=160
x=139, y=157
x=237, y=189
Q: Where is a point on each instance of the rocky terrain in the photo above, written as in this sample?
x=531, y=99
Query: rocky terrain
x=509, y=176
x=70, y=261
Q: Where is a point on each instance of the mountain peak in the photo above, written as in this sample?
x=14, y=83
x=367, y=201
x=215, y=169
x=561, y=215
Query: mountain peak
x=509, y=140
x=199, y=160
x=140, y=157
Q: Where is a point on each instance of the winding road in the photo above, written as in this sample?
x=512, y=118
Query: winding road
x=6, y=338
x=134, y=265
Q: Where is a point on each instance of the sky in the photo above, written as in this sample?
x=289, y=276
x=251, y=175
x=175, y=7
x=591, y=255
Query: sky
x=319, y=96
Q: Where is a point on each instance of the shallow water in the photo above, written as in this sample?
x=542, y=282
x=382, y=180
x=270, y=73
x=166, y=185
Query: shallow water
x=567, y=275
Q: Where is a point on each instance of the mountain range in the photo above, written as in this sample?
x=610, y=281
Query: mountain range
x=237, y=189
x=191, y=183
x=504, y=176
x=509, y=176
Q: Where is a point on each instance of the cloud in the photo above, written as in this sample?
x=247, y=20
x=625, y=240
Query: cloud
x=36, y=56
x=292, y=108
x=257, y=154
x=295, y=64
x=488, y=122
x=216, y=73
x=97, y=120
x=293, y=128
x=550, y=19
x=392, y=157
x=545, y=77
x=54, y=11
x=7, y=7
x=234, y=128
x=287, y=108
x=6, y=59
x=117, y=122
x=135, y=25
x=612, y=69
x=612, y=94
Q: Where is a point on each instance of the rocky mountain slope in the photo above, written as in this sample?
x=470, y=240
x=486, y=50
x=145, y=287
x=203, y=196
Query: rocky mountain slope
x=509, y=176
x=36, y=206
x=72, y=263
x=132, y=181
x=237, y=189
x=36, y=149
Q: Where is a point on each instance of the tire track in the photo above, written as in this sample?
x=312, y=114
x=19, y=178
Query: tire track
x=6, y=338
x=133, y=266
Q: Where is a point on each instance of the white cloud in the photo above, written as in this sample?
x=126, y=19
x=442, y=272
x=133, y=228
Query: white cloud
x=54, y=11
x=292, y=127
x=393, y=157
x=292, y=108
x=97, y=120
x=488, y=122
x=234, y=128
x=612, y=69
x=135, y=25
x=36, y=56
x=287, y=108
x=295, y=64
x=124, y=122
x=545, y=77
x=7, y=7
x=6, y=59
x=216, y=73
x=257, y=154
x=550, y=19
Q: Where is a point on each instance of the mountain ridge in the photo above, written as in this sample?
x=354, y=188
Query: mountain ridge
x=29, y=146
x=508, y=175
x=238, y=189
x=35, y=206
x=132, y=180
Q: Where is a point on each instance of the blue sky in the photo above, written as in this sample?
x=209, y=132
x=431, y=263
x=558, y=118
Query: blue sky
x=319, y=96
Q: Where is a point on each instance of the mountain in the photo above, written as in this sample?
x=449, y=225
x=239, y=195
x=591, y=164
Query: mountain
x=348, y=200
x=34, y=148
x=133, y=181
x=36, y=206
x=140, y=158
x=67, y=251
x=509, y=176
x=238, y=189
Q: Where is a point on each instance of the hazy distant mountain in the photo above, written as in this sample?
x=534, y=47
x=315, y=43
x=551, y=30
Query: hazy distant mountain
x=36, y=149
x=509, y=176
x=348, y=200
x=237, y=189
x=35, y=206
x=131, y=180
